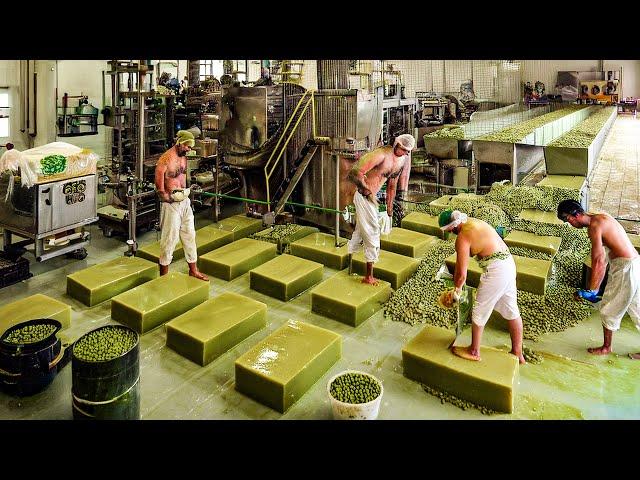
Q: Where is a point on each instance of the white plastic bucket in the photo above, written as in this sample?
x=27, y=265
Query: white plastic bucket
x=355, y=411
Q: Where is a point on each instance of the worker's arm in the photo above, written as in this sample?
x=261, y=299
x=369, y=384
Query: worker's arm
x=598, y=257
x=360, y=169
x=403, y=181
x=392, y=184
x=161, y=169
x=462, y=262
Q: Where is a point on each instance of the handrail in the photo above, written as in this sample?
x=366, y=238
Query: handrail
x=309, y=100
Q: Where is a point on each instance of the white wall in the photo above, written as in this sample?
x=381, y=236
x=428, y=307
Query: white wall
x=10, y=77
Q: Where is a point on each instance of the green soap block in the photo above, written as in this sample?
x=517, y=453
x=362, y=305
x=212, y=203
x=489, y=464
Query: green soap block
x=207, y=331
x=279, y=370
x=284, y=242
x=546, y=244
x=321, y=248
x=489, y=382
x=635, y=241
x=100, y=282
x=395, y=269
x=207, y=238
x=236, y=258
x=32, y=308
x=572, y=182
x=285, y=276
x=441, y=203
x=158, y=301
x=151, y=252
x=345, y=298
x=531, y=274
x=241, y=226
x=211, y=237
x=424, y=223
x=535, y=215
x=407, y=242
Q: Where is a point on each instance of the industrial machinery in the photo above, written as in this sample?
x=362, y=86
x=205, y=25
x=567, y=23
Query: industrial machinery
x=73, y=121
x=49, y=212
x=286, y=142
x=142, y=129
x=534, y=95
x=431, y=109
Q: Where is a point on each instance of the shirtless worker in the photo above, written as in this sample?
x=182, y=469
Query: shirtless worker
x=369, y=174
x=497, y=288
x=609, y=242
x=176, y=217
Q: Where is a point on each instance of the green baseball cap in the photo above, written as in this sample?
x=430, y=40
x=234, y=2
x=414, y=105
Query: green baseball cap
x=183, y=137
x=445, y=218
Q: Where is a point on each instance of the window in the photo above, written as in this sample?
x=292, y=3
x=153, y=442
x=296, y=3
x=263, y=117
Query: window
x=210, y=68
x=4, y=112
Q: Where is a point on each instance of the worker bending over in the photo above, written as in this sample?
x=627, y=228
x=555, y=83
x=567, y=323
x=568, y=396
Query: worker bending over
x=176, y=216
x=497, y=289
x=609, y=243
x=369, y=174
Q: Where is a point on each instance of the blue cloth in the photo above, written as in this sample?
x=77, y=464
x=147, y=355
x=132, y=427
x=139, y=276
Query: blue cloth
x=589, y=295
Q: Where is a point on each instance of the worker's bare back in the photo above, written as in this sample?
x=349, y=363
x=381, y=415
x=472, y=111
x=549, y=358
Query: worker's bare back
x=613, y=236
x=377, y=166
x=170, y=172
x=481, y=237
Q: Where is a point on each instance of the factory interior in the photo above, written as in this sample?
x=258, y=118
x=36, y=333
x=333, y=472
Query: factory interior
x=99, y=319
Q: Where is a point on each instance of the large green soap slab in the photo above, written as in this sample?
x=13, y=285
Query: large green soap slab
x=531, y=273
x=345, y=298
x=573, y=182
x=207, y=238
x=441, y=203
x=32, y=308
x=158, y=301
x=321, y=248
x=392, y=267
x=490, y=382
x=236, y=258
x=241, y=226
x=540, y=243
x=635, y=241
x=105, y=280
x=285, y=276
x=423, y=223
x=285, y=241
x=407, y=242
x=279, y=370
x=535, y=215
x=151, y=252
x=207, y=331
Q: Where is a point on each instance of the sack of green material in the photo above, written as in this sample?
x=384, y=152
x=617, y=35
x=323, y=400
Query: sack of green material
x=53, y=164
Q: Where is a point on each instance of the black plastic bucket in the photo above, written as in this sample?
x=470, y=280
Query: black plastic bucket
x=28, y=368
x=107, y=390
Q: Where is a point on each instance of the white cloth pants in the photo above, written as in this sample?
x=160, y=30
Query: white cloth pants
x=176, y=221
x=622, y=293
x=497, y=290
x=367, y=230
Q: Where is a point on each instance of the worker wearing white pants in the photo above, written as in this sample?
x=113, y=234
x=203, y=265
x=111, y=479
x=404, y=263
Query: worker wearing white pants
x=497, y=290
x=622, y=293
x=367, y=229
x=177, y=222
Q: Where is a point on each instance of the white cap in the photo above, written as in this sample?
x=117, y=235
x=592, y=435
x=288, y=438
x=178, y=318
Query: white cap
x=406, y=141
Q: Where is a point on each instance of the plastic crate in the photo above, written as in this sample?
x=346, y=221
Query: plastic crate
x=13, y=271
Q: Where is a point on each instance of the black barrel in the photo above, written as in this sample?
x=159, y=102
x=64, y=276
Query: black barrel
x=28, y=368
x=107, y=390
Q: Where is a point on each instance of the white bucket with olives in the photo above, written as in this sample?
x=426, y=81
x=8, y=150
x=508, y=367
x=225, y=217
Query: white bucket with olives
x=355, y=395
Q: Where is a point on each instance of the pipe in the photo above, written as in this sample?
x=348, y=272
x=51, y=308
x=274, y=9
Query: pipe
x=262, y=202
x=141, y=136
x=337, y=198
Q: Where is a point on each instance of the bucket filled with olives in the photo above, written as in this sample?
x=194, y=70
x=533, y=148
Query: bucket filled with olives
x=355, y=395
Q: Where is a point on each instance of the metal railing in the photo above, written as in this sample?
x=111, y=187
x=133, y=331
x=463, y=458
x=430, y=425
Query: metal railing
x=278, y=151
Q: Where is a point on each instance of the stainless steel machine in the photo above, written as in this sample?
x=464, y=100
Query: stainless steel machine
x=46, y=210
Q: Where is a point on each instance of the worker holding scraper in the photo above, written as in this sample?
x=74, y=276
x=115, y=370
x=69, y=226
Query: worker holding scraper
x=497, y=289
x=176, y=216
x=369, y=174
